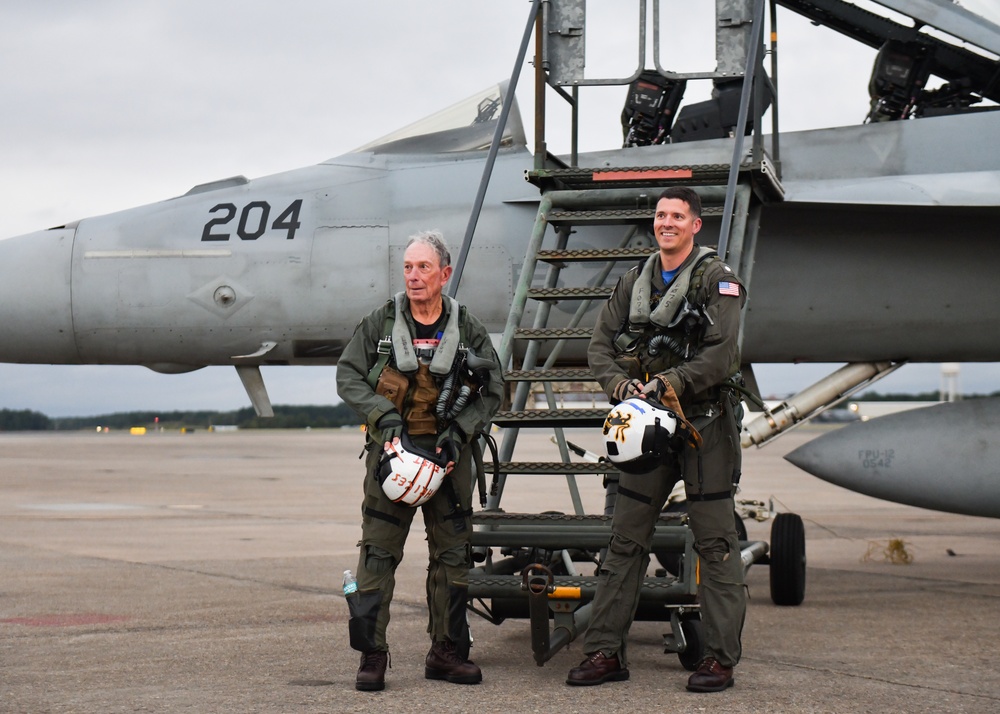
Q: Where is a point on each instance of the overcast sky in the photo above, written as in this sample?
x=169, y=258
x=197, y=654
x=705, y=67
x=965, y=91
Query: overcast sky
x=110, y=104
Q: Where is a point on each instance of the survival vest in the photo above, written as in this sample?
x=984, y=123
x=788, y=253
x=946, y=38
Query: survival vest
x=415, y=381
x=679, y=334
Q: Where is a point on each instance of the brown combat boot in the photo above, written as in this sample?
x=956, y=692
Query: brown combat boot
x=444, y=663
x=710, y=677
x=597, y=669
x=371, y=673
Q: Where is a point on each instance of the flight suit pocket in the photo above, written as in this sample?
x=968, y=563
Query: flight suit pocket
x=713, y=328
x=630, y=365
x=392, y=385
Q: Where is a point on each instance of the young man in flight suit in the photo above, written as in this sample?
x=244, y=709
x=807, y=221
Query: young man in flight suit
x=669, y=332
x=426, y=331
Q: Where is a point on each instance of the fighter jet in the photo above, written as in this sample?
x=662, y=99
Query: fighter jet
x=873, y=245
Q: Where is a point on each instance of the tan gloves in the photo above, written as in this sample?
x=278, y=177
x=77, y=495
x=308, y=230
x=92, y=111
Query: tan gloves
x=659, y=389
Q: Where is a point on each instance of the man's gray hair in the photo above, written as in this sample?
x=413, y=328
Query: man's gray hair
x=434, y=239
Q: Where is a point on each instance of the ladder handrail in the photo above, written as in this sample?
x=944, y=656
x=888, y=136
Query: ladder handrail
x=491, y=158
x=749, y=80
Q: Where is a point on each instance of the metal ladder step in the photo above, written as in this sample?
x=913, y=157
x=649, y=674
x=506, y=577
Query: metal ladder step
x=566, y=374
x=555, y=468
x=502, y=519
x=553, y=333
x=613, y=216
x=600, y=255
x=582, y=293
x=509, y=586
x=568, y=418
x=562, y=537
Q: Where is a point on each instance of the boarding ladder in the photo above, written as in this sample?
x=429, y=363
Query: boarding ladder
x=521, y=554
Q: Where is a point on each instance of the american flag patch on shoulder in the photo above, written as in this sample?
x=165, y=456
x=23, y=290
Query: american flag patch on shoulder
x=729, y=288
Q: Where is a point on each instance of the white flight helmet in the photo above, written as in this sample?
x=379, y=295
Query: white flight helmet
x=638, y=433
x=409, y=474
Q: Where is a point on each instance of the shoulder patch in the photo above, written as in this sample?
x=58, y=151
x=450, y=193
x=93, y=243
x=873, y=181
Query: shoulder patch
x=729, y=287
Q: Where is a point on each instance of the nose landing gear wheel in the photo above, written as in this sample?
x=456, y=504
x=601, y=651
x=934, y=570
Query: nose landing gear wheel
x=788, y=560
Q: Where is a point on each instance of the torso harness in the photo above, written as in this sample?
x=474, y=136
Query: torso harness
x=663, y=331
x=425, y=406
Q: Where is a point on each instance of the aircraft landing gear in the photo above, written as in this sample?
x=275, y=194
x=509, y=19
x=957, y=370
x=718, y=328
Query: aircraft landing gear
x=786, y=554
x=788, y=560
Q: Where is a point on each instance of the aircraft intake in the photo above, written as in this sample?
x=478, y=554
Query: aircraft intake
x=35, y=298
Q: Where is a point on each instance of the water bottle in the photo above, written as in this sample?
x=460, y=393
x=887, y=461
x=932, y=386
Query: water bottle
x=350, y=583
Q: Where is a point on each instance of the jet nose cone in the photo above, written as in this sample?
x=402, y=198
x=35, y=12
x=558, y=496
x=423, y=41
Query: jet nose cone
x=36, y=314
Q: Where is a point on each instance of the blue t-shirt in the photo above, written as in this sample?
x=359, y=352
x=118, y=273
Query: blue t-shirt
x=669, y=275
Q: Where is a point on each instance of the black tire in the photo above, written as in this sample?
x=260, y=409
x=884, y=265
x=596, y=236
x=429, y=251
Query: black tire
x=511, y=565
x=788, y=560
x=694, y=635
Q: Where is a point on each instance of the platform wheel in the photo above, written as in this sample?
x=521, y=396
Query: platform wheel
x=788, y=560
x=694, y=635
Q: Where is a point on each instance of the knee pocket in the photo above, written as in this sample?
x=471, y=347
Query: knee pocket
x=712, y=550
x=378, y=561
x=623, y=546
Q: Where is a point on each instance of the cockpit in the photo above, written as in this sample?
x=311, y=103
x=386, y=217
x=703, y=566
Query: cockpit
x=468, y=125
x=934, y=58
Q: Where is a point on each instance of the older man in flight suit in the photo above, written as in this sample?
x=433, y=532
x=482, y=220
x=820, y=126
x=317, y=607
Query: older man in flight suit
x=393, y=373
x=669, y=332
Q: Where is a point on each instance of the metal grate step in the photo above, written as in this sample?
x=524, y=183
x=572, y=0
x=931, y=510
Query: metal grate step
x=553, y=333
x=665, y=590
x=600, y=216
x=500, y=518
x=601, y=255
x=673, y=538
x=567, y=418
x=613, y=216
x=600, y=292
x=554, y=468
x=566, y=374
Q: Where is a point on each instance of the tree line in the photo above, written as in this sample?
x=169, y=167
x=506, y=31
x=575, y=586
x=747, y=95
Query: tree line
x=285, y=417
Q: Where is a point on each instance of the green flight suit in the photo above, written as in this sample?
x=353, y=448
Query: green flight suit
x=710, y=474
x=385, y=524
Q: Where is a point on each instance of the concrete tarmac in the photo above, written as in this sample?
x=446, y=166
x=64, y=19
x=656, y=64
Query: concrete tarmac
x=201, y=573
